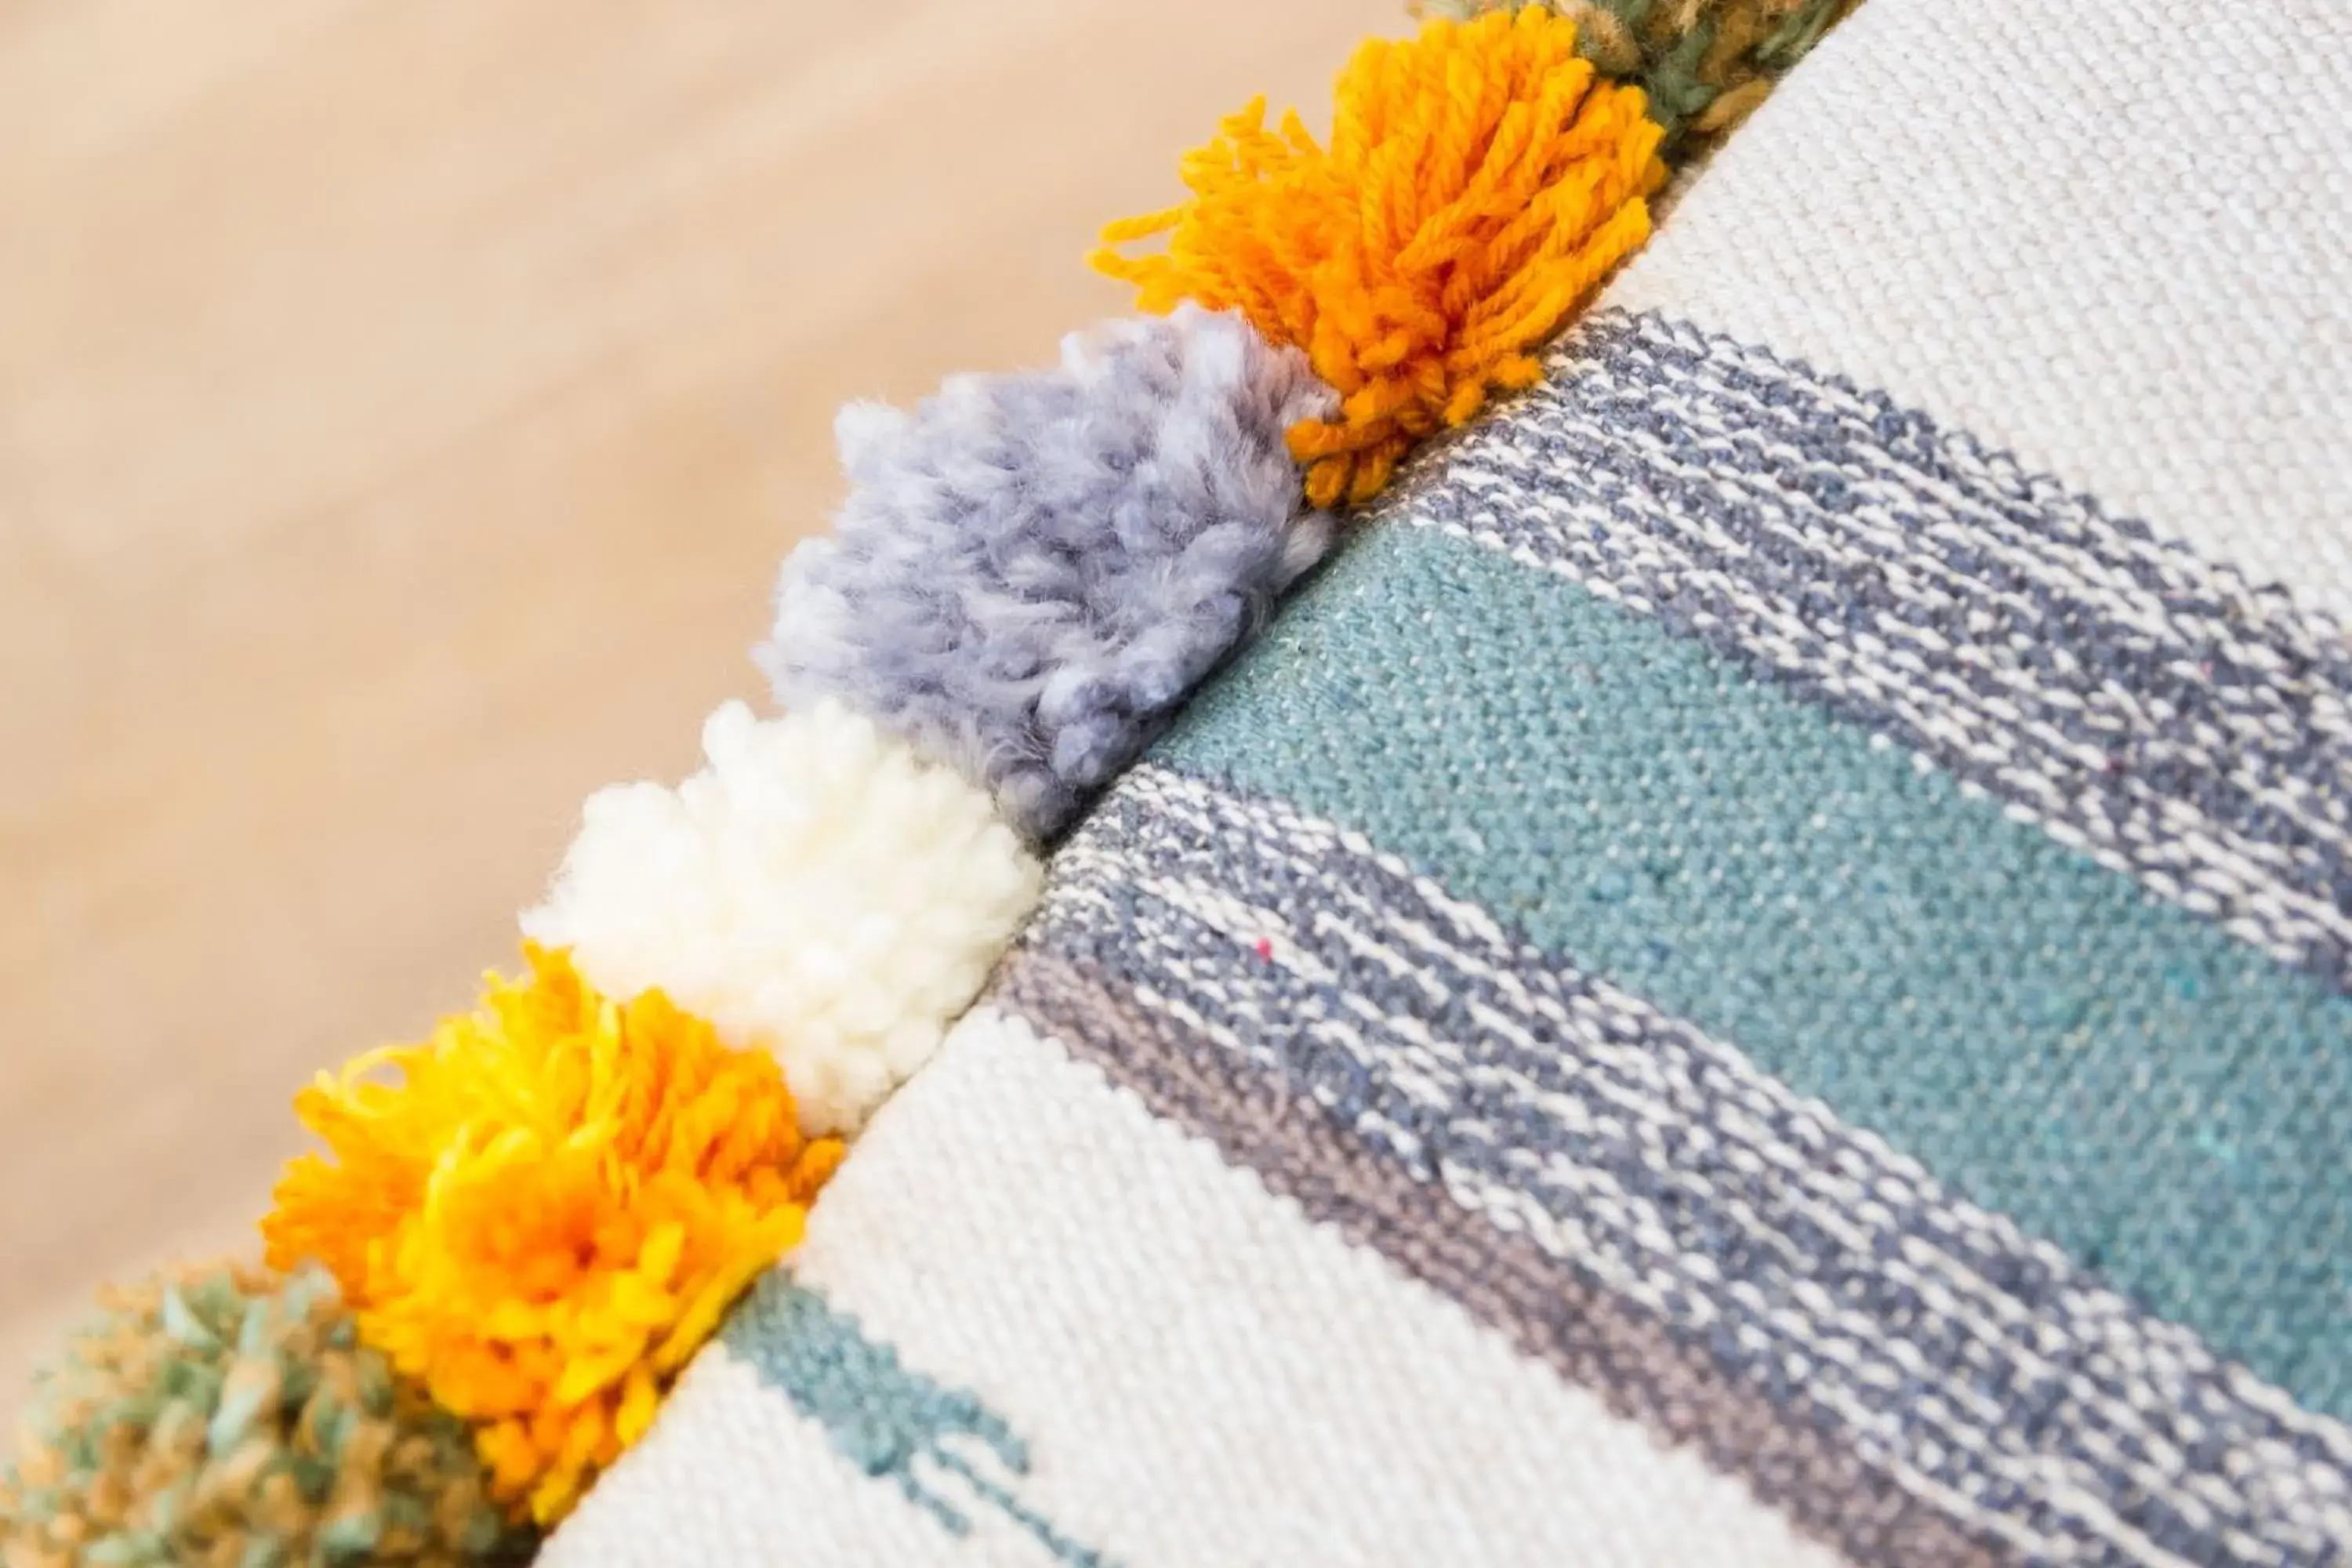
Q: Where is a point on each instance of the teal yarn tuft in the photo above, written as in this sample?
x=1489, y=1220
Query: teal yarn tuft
x=225, y=1416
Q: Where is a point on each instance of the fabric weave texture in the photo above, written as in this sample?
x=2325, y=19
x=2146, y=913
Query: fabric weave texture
x=1753, y=972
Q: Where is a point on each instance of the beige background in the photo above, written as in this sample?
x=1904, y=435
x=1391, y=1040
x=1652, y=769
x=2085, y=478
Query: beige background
x=402, y=411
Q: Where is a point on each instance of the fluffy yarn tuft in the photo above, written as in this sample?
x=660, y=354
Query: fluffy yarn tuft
x=1705, y=64
x=817, y=891
x=547, y=1211
x=1481, y=181
x=1032, y=569
x=228, y=1417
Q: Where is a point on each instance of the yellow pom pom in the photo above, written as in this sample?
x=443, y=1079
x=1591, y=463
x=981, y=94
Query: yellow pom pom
x=549, y=1211
x=1480, y=184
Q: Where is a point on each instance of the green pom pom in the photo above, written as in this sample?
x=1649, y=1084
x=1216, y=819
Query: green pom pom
x=228, y=1418
x=1705, y=64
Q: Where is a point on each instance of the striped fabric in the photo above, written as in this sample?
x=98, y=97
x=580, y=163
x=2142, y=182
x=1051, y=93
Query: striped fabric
x=1759, y=972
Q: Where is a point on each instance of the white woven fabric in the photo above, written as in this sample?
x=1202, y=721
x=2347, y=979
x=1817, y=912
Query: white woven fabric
x=2110, y=236
x=2114, y=236
x=733, y=1477
x=1201, y=1376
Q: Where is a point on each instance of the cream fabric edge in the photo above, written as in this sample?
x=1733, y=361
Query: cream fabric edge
x=2114, y=238
x=1201, y=1374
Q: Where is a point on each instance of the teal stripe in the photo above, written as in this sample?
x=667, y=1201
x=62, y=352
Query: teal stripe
x=886, y=1418
x=2121, y=1077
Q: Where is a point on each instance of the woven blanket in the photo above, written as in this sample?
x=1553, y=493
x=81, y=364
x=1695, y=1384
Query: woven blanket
x=1755, y=974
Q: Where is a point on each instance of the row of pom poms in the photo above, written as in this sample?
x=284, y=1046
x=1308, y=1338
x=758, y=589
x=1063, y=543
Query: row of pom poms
x=520, y=1229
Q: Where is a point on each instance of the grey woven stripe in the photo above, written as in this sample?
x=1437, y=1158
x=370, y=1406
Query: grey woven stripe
x=1630, y=1359
x=1971, y=1366
x=2152, y=710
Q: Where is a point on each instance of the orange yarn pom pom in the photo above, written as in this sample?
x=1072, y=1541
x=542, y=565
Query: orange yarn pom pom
x=549, y=1212
x=1481, y=181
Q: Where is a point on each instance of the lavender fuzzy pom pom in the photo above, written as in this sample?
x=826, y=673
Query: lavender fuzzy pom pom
x=1031, y=570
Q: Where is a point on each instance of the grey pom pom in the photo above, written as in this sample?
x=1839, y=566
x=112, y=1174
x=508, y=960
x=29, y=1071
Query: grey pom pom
x=1031, y=570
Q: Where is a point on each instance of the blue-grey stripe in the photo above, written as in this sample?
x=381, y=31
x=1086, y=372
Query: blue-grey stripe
x=2153, y=709
x=1977, y=1367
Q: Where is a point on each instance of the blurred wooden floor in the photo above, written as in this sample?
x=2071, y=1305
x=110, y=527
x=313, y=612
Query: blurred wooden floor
x=402, y=409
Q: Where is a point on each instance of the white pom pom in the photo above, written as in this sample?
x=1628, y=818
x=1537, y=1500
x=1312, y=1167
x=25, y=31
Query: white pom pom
x=816, y=890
